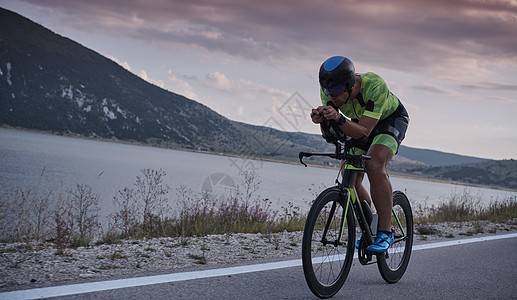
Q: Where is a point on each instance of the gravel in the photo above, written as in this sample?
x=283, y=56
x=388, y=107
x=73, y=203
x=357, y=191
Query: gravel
x=28, y=265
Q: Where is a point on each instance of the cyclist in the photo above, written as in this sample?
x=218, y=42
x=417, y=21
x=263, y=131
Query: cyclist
x=364, y=109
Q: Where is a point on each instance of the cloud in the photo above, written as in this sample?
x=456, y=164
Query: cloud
x=219, y=81
x=503, y=99
x=180, y=86
x=489, y=128
x=432, y=89
x=240, y=87
x=142, y=74
x=412, y=107
x=404, y=34
x=124, y=64
x=493, y=86
x=240, y=110
x=456, y=46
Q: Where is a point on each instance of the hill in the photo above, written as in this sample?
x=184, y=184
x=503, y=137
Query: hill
x=51, y=83
x=436, y=158
x=500, y=173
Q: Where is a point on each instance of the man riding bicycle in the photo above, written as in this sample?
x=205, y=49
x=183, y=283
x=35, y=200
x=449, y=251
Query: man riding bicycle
x=375, y=116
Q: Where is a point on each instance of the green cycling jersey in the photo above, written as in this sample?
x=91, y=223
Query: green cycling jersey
x=374, y=100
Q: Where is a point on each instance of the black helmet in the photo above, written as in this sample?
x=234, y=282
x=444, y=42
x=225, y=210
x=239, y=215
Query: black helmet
x=337, y=75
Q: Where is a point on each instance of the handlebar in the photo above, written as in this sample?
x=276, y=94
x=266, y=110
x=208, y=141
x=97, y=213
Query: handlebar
x=353, y=159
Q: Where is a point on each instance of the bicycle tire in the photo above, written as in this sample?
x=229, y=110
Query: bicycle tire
x=392, y=264
x=326, y=266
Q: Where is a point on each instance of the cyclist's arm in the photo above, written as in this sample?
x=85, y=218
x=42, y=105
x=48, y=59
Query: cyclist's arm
x=358, y=130
x=352, y=129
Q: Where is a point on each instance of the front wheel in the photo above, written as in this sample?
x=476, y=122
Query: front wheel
x=393, y=263
x=326, y=257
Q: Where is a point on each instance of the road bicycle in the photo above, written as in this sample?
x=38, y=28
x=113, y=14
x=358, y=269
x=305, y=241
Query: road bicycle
x=330, y=229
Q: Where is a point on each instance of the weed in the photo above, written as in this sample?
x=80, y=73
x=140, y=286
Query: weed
x=82, y=215
x=426, y=229
x=199, y=259
x=117, y=254
x=143, y=212
x=478, y=228
x=460, y=207
x=108, y=267
x=109, y=238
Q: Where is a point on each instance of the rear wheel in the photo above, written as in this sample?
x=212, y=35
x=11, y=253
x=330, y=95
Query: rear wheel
x=326, y=258
x=393, y=263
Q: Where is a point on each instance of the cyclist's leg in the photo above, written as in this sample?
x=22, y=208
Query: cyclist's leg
x=362, y=193
x=382, y=195
x=384, y=146
x=380, y=185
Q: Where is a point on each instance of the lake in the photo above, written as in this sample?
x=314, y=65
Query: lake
x=48, y=163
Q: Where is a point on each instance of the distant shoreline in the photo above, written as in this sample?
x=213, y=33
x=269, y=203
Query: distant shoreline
x=124, y=142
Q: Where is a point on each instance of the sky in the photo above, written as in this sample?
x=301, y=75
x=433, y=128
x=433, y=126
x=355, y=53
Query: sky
x=452, y=63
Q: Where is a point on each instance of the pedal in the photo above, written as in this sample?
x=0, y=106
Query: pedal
x=364, y=256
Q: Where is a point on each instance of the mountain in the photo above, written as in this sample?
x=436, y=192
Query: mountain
x=51, y=83
x=436, y=158
x=501, y=173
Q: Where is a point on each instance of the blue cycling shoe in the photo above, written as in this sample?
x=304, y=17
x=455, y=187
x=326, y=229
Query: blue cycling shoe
x=382, y=243
x=358, y=241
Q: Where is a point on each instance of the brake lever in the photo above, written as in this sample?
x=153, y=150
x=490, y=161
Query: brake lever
x=301, y=155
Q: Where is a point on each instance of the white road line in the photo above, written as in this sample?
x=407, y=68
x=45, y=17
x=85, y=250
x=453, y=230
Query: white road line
x=82, y=288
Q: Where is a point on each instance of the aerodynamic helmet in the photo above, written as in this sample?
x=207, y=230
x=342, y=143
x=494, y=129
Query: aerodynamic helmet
x=337, y=75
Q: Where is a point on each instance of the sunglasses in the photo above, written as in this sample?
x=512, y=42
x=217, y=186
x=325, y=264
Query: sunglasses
x=335, y=90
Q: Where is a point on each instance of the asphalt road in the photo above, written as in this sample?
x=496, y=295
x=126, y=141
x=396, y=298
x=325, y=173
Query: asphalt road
x=480, y=270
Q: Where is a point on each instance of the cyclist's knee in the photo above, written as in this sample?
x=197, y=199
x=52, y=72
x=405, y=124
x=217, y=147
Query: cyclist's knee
x=358, y=186
x=375, y=166
x=381, y=156
x=359, y=181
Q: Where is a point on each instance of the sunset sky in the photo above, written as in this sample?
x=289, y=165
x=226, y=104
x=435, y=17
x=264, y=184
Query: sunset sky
x=453, y=63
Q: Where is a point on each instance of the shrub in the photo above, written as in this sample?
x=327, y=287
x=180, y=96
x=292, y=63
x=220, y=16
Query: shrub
x=76, y=217
x=467, y=207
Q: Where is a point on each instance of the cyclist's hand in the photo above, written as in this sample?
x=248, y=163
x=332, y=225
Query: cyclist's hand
x=330, y=113
x=317, y=115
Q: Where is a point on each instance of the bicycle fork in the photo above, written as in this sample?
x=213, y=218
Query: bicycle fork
x=324, y=240
x=351, y=198
x=364, y=224
x=365, y=257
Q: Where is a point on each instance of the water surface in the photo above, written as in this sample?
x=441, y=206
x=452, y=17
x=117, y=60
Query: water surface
x=48, y=163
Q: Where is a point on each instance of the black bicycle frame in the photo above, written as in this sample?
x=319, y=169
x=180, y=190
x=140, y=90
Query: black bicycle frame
x=352, y=165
